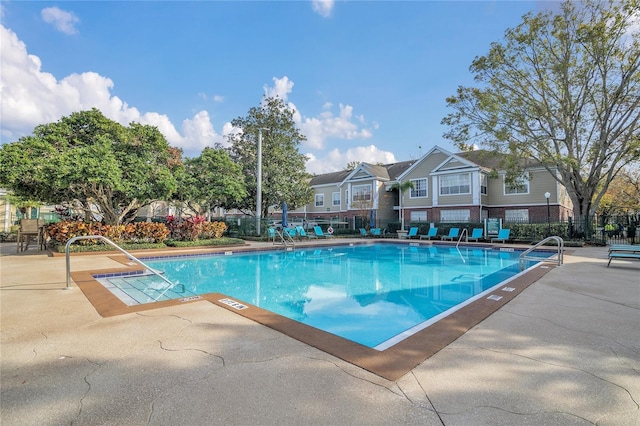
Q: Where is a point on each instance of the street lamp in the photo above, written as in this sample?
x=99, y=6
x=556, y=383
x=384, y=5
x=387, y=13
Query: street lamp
x=547, y=195
x=259, y=179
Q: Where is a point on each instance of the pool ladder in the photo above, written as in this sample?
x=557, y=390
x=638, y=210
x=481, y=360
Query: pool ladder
x=464, y=232
x=285, y=239
x=111, y=243
x=522, y=259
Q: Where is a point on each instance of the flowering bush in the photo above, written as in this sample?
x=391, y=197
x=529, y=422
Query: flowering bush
x=62, y=232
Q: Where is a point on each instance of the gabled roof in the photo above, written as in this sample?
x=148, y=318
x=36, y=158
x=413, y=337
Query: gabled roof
x=493, y=160
x=330, y=178
x=384, y=172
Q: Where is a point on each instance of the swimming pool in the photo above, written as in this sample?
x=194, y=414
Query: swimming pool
x=374, y=294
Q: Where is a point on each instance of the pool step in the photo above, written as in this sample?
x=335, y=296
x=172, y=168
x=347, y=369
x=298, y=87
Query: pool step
x=140, y=289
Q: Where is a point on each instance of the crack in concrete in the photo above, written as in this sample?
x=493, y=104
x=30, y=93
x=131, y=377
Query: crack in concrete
x=516, y=413
x=571, y=329
x=221, y=358
x=426, y=395
x=34, y=350
x=96, y=365
x=627, y=391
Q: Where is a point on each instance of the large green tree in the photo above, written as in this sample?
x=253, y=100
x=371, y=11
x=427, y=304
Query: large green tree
x=564, y=89
x=88, y=162
x=211, y=180
x=284, y=177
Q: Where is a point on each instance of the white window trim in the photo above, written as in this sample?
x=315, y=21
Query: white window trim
x=453, y=174
x=334, y=201
x=355, y=192
x=524, y=179
x=321, y=204
x=426, y=188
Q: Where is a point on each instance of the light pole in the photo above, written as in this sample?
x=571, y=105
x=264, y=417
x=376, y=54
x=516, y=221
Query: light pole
x=259, y=184
x=547, y=195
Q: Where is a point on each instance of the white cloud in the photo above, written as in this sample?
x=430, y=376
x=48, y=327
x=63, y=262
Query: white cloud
x=323, y=7
x=63, y=21
x=281, y=88
x=336, y=160
x=327, y=125
x=324, y=126
x=30, y=97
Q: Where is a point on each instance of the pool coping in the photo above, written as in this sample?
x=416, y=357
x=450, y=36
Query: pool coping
x=391, y=363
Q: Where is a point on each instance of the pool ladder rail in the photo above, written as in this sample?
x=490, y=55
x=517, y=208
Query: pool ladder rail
x=522, y=259
x=464, y=232
x=126, y=253
x=285, y=239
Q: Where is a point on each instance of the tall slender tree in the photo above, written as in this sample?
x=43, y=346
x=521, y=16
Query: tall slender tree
x=284, y=176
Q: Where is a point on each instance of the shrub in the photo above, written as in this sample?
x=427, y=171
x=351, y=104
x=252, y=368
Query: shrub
x=212, y=230
x=185, y=229
x=62, y=232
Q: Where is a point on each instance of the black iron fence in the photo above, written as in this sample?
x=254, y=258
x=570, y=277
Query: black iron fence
x=594, y=229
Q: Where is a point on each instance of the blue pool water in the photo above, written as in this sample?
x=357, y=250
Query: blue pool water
x=370, y=294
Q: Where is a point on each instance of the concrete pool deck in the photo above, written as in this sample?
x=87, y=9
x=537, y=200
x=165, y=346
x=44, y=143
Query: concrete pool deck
x=564, y=351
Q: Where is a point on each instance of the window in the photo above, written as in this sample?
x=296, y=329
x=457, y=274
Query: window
x=336, y=198
x=455, y=184
x=520, y=186
x=418, y=216
x=361, y=192
x=483, y=184
x=461, y=215
x=319, y=200
x=516, y=215
x=419, y=189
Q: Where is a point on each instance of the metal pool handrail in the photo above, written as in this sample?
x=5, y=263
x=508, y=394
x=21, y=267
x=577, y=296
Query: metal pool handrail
x=108, y=241
x=464, y=232
x=523, y=257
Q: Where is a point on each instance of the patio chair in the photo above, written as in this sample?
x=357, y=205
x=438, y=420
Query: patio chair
x=303, y=234
x=376, y=232
x=363, y=233
x=291, y=232
x=318, y=231
x=453, y=233
x=413, y=232
x=476, y=234
x=30, y=228
x=503, y=235
x=432, y=233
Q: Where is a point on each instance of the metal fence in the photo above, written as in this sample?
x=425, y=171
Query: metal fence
x=594, y=229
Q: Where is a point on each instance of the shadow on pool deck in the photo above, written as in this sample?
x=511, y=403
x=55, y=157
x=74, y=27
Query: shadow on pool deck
x=564, y=351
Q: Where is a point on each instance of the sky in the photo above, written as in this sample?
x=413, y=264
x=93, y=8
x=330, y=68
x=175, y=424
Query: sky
x=368, y=80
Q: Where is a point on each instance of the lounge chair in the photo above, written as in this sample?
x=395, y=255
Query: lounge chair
x=303, y=234
x=318, y=231
x=453, y=233
x=363, y=233
x=476, y=234
x=432, y=233
x=413, y=232
x=272, y=234
x=289, y=231
x=503, y=235
x=376, y=232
